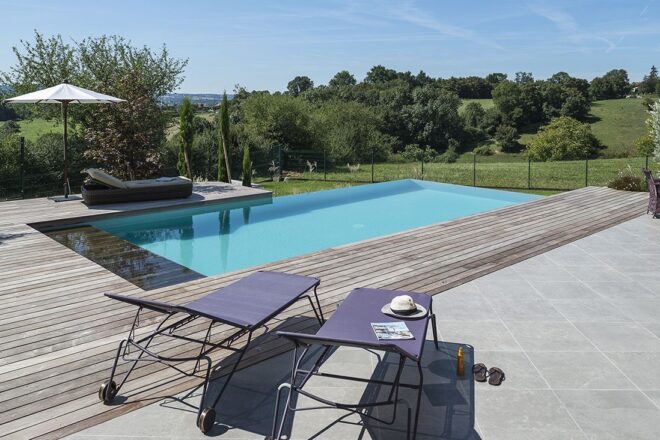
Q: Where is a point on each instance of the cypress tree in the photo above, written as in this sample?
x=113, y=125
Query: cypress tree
x=247, y=167
x=224, y=170
x=186, y=131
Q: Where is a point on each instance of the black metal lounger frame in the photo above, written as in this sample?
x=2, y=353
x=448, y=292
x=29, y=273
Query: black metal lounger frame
x=307, y=341
x=205, y=413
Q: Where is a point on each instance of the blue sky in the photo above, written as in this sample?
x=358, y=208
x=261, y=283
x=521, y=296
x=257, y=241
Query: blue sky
x=263, y=44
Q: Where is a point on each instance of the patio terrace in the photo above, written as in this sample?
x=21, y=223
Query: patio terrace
x=59, y=333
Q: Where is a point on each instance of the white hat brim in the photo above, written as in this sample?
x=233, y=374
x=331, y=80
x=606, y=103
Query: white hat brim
x=420, y=313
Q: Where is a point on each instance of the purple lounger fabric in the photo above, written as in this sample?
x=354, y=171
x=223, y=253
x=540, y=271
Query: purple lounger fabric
x=353, y=318
x=253, y=300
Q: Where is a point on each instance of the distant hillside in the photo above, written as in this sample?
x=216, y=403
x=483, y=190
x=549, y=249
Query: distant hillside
x=206, y=99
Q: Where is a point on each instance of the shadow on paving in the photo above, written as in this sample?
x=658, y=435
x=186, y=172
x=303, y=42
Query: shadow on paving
x=447, y=404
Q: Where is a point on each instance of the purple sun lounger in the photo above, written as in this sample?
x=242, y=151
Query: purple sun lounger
x=350, y=326
x=247, y=305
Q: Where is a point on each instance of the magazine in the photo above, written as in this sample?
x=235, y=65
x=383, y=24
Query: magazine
x=391, y=330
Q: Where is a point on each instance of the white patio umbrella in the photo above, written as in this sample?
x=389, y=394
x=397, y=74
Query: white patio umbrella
x=64, y=94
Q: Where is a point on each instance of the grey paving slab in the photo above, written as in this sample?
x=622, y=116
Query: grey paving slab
x=536, y=310
x=486, y=336
x=619, y=290
x=579, y=370
x=554, y=289
x=641, y=368
x=613, y=414
x=550, y=336
x=620, y=336
x=519, y=371
x=589, y=310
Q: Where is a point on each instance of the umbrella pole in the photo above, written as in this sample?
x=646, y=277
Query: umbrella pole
x=67, y=188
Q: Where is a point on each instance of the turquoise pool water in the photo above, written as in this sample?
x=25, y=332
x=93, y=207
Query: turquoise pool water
x=221, y=238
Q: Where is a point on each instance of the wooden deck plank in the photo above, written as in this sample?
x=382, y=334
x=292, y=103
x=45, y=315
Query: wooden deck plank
x=61, y=333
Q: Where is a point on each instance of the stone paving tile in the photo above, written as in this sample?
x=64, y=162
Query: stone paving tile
x=641, y=368
x=618, y=290
x=549, y=336
x=564, y=290
x=620, y=336
x=613, y=414
x=591, y=310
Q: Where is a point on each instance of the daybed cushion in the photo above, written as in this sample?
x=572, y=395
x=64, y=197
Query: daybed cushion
x=105, y=178
x=160, y=182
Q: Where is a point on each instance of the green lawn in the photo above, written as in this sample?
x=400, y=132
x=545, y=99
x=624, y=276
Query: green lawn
x=619, y=122
x=284, y=188
x=31, y=129
x=501, y=171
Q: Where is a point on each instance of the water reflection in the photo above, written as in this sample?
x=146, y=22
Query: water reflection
x=133, y=263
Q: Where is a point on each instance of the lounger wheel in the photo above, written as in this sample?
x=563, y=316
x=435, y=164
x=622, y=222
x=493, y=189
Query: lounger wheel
x=107, y=391
x=206, y=420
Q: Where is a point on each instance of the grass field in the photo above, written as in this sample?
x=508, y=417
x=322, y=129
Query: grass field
x=485, y=103
x=285, y=188
x=615, y=122
x=31, y=129
x=500, y=171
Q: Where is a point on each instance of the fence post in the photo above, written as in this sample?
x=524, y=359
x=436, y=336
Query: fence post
x=325, y=170
x=372, y=165
x=586, y=171
x=647, y=162
x=279, y=161
x=474, y=169
x=422, y=168
x=529, y=172
x=22, y=173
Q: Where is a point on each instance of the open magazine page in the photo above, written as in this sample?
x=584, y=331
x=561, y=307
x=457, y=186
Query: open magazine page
x=391, y=330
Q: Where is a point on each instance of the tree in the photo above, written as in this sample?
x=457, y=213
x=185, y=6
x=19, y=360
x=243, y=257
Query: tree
x=432, y=118
x=506, y=136
x=563, y=138
x=613, y=85
x=650, y=81
x=653, y=123
x=342, y=79
x=299, y=84
x=495, y=78
x=473, y=114
x=124, y=138
x=187, y=134
x=247, y=167
x=380, y=75
x=224, y=169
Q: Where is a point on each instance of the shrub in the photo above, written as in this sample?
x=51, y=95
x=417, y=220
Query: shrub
x=413, y=153
x=506, y=136
x=644, y=145
x=627, y=180
x=450, y=155
x=563, y=138
x=247, y=167
x=483, y=150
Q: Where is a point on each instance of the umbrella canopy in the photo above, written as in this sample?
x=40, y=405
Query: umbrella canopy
x=64, y=94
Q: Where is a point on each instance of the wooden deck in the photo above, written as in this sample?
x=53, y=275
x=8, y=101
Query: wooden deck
x=58, y=333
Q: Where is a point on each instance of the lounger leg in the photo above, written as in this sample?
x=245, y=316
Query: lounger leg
x=318, y=303
x=434, y=327
x=419, y=399
x=233, y=370
x=201, y=351
x=275, y=433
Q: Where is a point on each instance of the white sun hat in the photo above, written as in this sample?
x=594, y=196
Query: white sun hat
x=403, y=306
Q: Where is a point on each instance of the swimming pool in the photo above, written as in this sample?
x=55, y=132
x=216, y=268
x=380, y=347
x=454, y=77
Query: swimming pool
x=215, y=239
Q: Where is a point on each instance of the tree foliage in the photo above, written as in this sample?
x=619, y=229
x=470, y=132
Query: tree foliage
x=613, y=85
x=247, y=167
x=122, y=138
x=654, y=128
x=299, y=85
x=564, y=138
x=224, y=167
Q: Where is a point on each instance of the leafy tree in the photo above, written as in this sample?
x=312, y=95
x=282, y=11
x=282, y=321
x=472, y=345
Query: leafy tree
x=266, y=120
x=653, y=123
x=451, y=154
x=563, y=138
x=342, y=79
x=644, y=145
x=247, y=167
x=524, y=78
x=9, y=128
x=348, y=132
x=432, y=118
x=506, y=136
x=299, y=84
x=650, y=81
x=380, y=75
x=473, y=114
x=495, y=78
x=224, y=169
x=123, y=138
x=614, y=84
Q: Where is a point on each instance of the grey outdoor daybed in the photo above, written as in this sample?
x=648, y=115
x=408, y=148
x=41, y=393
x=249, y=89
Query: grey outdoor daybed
x=105, y=188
